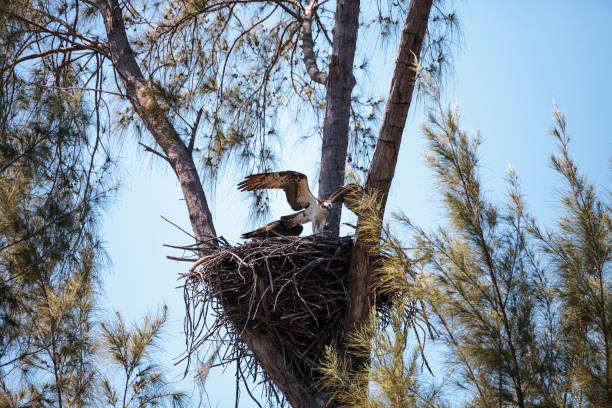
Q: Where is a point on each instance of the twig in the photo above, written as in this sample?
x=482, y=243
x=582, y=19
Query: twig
x=194, y=130
x=155, y=152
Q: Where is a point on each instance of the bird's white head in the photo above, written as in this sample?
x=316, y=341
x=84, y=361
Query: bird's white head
x=327, y=205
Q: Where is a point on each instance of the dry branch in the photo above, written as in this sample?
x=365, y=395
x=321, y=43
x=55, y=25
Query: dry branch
x=310, y=58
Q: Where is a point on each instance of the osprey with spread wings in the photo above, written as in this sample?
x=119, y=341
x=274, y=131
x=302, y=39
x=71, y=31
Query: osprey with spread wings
x=299, y=197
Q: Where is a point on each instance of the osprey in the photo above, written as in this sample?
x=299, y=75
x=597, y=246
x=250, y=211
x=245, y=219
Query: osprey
x=299, y=197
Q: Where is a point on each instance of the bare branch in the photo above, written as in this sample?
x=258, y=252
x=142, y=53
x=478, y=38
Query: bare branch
x=155, y=152
x=323, y=29
x=220, y=5
x=49, y=52
x=231, y=49
x=22, y=356
x=194, y=130
x=77, y=88
x=289, y=10
x=310, y=58
x=65, y=36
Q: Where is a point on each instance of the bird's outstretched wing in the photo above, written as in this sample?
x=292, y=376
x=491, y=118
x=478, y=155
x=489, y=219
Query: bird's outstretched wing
x=293, y=183
x=274, y=229
x=350, y=195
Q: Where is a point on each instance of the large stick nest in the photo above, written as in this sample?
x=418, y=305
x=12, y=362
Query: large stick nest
x=294, y=289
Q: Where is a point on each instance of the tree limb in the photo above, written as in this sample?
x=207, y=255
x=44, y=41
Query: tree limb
x=310, y=59
x=194, y=130
x=22, y=356
x=384, y=159
x=65, y=36
x=155, y=152
x=156, y=120
x=49, y=52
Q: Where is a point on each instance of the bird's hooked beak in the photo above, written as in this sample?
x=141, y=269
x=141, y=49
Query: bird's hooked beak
x=328, y=206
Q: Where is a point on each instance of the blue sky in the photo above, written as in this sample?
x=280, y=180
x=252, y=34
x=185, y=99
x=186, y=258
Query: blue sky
x=516, y=58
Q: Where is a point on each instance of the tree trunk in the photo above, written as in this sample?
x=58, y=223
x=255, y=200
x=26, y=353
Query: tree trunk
x=384, y=160
x=339, y=86
x=271, y=359
x=340, y=83
x=266, y=351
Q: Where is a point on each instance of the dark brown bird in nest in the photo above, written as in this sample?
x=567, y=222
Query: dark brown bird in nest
x=274, y=229
x=299, y=197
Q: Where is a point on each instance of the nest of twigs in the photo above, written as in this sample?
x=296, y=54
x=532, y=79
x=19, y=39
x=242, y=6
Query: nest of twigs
x=291, y=288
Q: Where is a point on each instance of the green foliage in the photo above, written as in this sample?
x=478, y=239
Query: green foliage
x=579, y=252
x=480, y=288
x=226, y=74
x=52, y=185
x=128, y=349
x=55, y=178
x=523, y=316
x=394, y=379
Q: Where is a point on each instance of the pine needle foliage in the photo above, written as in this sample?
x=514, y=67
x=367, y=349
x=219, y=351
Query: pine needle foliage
x=225, y=73
x=480, y=288
x=394, y=377
x=498, y=288
x=52, y=187
x=522, y=314
x=579, y=252
x=55, y=179
x=128, y=349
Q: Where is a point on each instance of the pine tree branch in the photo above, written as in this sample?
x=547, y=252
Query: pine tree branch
x=500, y=308
x=155, y=152
x=47, y=224
x=470, y=372
x=50, y=52
x=194, y=130
x=310, y=59
x=77, y=88
x=20, y=155
x=288, y=9
x=24, y=355
x=67, y=36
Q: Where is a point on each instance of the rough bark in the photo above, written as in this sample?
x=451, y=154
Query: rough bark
x=340, y=83
x=384, y=159
x=270, y=358
x=267, y=353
